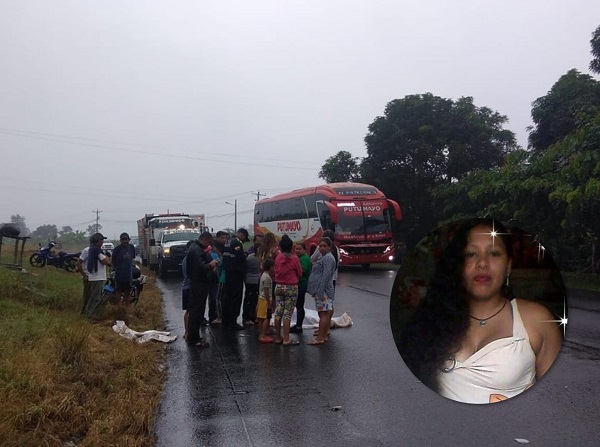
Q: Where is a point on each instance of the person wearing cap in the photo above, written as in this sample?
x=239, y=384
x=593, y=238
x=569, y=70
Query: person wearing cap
x=200, y=269
x=234, y=264
x=92, y=267
x=122, y=261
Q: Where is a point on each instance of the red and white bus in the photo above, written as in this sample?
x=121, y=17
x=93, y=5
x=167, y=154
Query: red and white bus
x=360, y=215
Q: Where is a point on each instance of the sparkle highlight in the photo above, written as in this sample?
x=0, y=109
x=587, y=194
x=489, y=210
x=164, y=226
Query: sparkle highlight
x=562, y=321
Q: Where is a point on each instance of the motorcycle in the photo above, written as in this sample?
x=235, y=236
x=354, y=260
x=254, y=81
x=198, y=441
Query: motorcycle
x=44, y=256
x=137, y=285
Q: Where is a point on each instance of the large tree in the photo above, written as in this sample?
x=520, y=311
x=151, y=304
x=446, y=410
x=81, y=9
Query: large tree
x=341, y=167
x=595, y=43
x=91, y=229
x=423, y=141
x=554, y=195
x=69, y=237
x=571, y=99
x=44, y=232
x=19, y=221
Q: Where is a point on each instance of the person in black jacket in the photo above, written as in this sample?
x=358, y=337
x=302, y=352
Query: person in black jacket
x=200, y=270
x=234, y=264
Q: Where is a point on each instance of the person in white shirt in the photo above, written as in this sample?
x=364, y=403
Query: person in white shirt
x=92, y=267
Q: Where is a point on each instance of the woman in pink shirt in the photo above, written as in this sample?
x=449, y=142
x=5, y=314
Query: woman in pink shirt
x=287, y=276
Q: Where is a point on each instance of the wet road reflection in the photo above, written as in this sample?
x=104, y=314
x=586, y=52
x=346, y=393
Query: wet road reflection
x=356, y=391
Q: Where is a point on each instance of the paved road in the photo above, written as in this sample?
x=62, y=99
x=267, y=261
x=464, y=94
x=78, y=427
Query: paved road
x=356, y=391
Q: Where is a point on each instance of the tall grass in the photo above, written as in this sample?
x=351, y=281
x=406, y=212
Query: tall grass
x=64, y=379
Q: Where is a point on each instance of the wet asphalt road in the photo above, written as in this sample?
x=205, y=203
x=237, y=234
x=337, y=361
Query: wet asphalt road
x=356, y=391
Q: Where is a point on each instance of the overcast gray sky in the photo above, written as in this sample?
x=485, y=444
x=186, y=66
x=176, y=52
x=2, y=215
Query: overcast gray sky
x=133, y=107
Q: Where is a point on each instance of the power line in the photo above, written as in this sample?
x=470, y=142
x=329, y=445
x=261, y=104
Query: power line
x=258, y=194
x=56, y=138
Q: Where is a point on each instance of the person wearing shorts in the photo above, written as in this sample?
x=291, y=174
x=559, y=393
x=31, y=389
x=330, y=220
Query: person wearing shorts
x=264, y=303
x=288, y=272
x=320, y=286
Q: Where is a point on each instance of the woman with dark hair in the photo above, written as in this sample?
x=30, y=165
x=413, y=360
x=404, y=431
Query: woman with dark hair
x=469, y=339
x=268, y=249
x=305, y=262
x=320, y=286
x=287, y=276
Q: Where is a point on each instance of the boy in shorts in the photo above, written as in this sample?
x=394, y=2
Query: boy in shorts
x=264, y=306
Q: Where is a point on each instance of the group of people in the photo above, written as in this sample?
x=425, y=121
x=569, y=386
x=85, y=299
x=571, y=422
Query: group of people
x=268, y=280
x=91, y=265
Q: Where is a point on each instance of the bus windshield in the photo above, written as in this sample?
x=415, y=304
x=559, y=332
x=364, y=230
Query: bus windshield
x=362, y=218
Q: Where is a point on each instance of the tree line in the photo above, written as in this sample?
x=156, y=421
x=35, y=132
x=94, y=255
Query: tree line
x=65, y=236
x=444, y=160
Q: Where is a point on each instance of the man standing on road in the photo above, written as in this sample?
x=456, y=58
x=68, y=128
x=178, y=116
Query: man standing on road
x=122, y=261
x=92, y=266
x=200, y=270
x=234, y=264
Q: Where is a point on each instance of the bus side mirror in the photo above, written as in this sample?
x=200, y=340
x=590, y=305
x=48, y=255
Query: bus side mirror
x=333, y=214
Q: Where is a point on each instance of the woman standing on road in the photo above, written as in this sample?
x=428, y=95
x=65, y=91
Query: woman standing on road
x=268, y=249
x=320, y=286
x=287, y=275
x=469, y=338
x=305, y=262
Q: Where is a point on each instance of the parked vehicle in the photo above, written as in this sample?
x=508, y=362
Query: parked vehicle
x=151, y=226
x=137, y=285
x=360, y=215
x=108, y=247
x=172, y=248
x=44, y=256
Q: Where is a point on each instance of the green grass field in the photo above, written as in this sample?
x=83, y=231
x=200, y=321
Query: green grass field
x=66, y=379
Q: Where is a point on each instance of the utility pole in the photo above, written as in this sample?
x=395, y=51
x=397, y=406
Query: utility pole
x=97, y=218
x=234, y=204
x=258, y=194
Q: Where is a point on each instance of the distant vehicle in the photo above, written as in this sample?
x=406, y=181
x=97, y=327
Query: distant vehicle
x=108, y=246
x=360, y=216
x=172, y=248
x=151, y=226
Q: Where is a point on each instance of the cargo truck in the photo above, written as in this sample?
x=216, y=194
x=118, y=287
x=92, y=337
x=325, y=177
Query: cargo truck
x=151, y=227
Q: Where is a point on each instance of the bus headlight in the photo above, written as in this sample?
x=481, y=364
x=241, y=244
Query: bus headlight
x=388, y=249
x=343, y=252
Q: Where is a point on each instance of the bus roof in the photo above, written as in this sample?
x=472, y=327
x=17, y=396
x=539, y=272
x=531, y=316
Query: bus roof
x=342, y=191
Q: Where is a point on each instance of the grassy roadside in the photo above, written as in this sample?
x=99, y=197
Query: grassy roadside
x=67, y=381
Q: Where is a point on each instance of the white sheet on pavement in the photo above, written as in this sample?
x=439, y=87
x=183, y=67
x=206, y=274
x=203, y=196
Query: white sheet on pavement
x=311, y=320
x=142, y=337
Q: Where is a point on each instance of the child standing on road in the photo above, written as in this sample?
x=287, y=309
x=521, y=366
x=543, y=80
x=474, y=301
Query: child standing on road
x=265, y=301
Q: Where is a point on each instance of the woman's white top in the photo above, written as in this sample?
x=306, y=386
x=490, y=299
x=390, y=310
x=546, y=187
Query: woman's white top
x=501, y=369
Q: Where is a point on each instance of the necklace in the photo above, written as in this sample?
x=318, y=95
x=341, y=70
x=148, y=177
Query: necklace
x=483, y=321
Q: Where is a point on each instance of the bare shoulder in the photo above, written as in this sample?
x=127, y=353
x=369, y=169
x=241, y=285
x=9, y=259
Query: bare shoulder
x=544, y=334
x=532, y=312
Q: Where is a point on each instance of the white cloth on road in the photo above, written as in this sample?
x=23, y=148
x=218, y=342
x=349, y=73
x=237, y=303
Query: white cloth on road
x=311, y=320
x=142, y=337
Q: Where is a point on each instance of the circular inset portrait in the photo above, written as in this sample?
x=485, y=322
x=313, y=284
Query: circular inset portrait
x=477, y=311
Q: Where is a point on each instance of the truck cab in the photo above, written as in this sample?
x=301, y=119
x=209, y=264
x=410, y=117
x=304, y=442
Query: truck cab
x=172, y=248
